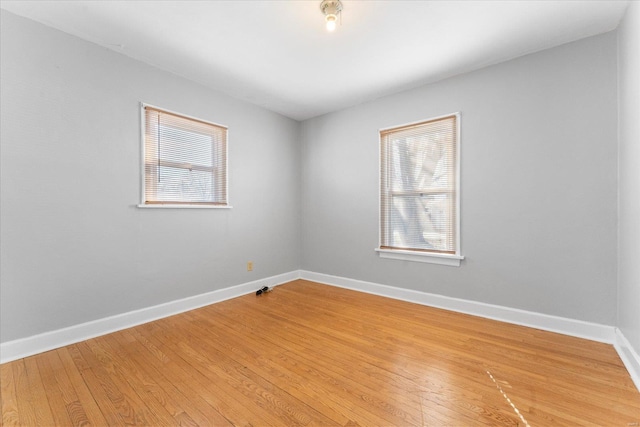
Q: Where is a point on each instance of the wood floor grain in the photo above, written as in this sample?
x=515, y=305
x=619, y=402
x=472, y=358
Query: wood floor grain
x=310, y=354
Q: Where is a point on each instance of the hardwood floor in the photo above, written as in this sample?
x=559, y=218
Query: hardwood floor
x=310, y=354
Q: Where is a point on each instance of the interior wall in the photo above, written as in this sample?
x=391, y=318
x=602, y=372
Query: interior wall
x=538, y=186
x=74, y=247
x=629, y=177
x=539, y=177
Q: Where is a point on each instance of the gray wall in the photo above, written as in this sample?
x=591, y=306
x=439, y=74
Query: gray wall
x=539, y=184
x=73, y=246
x=629, y=172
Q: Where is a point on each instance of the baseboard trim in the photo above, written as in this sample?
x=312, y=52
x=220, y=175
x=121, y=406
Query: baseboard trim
x=562, y=325
x=29, y=346
x=629, y=357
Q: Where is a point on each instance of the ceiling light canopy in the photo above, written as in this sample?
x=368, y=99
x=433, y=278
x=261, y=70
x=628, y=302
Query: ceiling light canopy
x=331, y=10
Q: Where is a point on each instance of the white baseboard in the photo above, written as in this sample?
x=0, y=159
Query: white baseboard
x=629, y=357
x=562, y=325
x=29, y=346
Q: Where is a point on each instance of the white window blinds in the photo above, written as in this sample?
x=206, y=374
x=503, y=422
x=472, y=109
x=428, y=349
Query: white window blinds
x=185, y=160
x=418, y=186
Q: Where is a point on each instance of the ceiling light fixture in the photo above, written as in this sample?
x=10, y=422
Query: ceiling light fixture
x=331, y=10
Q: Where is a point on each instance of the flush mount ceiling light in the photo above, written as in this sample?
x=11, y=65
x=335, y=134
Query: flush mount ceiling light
x=331, y=10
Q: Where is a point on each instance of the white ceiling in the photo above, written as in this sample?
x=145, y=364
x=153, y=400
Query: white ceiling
x=278, y=54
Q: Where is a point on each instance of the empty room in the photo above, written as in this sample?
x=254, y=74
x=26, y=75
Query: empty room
x=320, y=212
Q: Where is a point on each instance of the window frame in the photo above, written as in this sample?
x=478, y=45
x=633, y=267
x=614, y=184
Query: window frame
x=181, y=204
x=419, y=255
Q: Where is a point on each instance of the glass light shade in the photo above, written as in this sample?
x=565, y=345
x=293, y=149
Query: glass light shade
x=331, y=22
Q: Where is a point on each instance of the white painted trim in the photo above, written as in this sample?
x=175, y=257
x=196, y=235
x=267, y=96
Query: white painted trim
x=143, y=184
x=186, y=116
x=168, y=206
x=562, y=325
x=29, y=346
x=417, y=256
x=458, y=185
x=629, y=357
x=417, y=122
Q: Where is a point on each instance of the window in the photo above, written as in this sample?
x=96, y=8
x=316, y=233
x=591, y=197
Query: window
x=185, y=161
x=419, y=191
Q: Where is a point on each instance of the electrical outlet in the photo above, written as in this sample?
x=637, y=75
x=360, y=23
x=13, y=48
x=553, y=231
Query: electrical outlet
x=249, y=265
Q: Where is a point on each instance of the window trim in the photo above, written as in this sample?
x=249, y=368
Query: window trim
x=428, y=257
x=176, y=205
x=442, y=258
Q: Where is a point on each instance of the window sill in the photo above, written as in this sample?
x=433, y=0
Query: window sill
x=431, y=258
x=167, y=206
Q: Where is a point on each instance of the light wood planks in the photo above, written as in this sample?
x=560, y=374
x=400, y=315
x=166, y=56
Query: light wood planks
x=310, y=354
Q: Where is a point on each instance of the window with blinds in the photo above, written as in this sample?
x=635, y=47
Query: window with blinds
x=419, y=187
x=185, y=160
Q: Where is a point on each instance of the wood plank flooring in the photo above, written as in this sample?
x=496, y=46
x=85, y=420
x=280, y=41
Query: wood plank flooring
x=310, y=354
